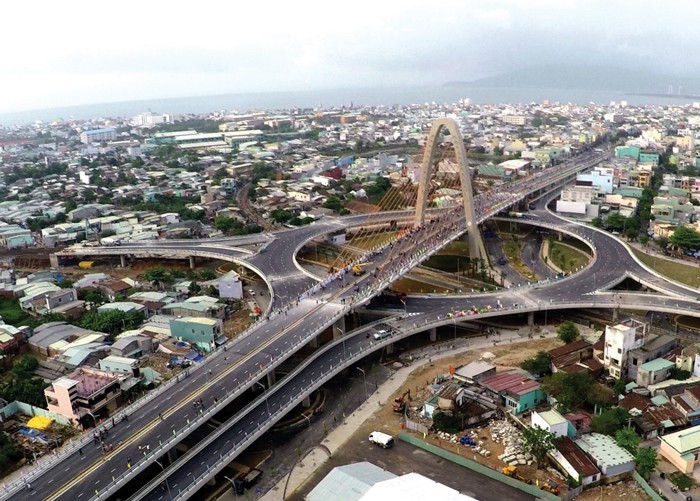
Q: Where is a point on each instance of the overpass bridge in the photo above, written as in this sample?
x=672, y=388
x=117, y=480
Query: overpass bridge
x=166, y=417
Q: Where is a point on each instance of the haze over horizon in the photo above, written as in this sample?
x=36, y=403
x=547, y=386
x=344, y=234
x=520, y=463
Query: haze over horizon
x=64, y=54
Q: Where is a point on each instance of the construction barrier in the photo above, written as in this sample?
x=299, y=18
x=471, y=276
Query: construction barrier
x=646, y=487
x=479, y=468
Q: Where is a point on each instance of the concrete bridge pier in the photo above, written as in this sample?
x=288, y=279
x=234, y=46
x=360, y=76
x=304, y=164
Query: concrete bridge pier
x=53, y=259
x=390, y=349
x=271, y=378
x=339, y=328
x=192, y=263
x=615, y=314
x=122, y=261
x=313, y=343
x=306, y=402
x=531, y=318
x=433, y=334
x=560, y=236
x=172, y=455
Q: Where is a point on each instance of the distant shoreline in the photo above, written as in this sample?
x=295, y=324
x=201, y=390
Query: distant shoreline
x=667, y=96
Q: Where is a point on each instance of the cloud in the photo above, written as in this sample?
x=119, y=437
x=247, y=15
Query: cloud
x=59, y=54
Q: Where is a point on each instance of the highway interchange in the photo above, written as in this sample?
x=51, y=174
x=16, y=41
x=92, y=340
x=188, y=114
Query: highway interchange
x=262, y=348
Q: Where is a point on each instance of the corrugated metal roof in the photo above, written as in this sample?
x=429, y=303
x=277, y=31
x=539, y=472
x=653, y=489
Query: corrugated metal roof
x=349, y=482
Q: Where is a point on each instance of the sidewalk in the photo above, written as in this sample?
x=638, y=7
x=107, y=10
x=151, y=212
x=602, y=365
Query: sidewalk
x=339, y=436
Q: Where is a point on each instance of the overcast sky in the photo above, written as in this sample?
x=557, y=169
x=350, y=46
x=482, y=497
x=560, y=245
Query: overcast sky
x=78, y=52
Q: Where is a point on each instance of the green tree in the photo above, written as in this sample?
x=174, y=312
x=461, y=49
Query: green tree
x=333, y=203
x=610, y=421
x=89, y=195
x=206, y=274
x=600, y=395
x=224, y=223
x=628, y=439
x=619, y=387
x=540, y=364
x=644, y=240
x=569, y=389
x=686, y=237
x=280, y=215
x=662, y=243
x=615, y=222
x=567, y=332
x=646, y=461
x=679, y=374
x=157, y=275
x=538, y=442
x=194, y=289
x=597, y=222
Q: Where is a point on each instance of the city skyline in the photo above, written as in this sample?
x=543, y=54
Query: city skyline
x=88, y=54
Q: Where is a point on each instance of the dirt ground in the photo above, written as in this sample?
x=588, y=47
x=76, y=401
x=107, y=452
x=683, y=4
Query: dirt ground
x=507, y=356
x=629, y=491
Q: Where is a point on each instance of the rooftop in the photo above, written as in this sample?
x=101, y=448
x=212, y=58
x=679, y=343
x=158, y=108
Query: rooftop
x=576, y=457
x=349, y=482
x=684, y=441
x=512, y=382
x=658, y=364
x=604, y=450
x=474, y=369
x=552, y=417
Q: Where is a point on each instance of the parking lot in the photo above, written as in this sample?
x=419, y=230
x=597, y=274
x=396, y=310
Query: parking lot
x=404, y=458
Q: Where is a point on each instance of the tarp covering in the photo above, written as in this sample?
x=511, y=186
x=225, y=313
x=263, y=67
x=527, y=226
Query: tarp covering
x=39, y=422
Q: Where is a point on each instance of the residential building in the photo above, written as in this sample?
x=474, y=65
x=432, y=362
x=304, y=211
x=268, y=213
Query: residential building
x=474, y=372
x=612, y=460
x=516, y=391
x=620, y=339
x=98, y=136
x=572, y=461
x=199, y=331
x=85, y=392
x=551, y=421
x=654, y=371
x=655, y=346
x=132, y=346
x=230, y=286
x=682, y=448
x=120, y=365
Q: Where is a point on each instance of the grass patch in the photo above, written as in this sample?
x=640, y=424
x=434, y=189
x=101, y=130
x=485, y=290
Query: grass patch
x=11, y=312
x=683, y=273
x=681, y=480
x=566, y=258
x=512, y=250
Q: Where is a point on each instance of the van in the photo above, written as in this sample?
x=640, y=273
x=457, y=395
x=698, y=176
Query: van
x=381, y=439
x=381, y=334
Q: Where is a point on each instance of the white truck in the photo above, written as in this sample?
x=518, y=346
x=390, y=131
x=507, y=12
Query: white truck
x=381, y=439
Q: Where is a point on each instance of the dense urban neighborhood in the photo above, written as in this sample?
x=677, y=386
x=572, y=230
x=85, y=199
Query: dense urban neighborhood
x=594, y=399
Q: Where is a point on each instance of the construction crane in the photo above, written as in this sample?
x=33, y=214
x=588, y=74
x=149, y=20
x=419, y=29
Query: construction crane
x=359, y=269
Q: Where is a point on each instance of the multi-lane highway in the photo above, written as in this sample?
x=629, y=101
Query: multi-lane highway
x=264, y=347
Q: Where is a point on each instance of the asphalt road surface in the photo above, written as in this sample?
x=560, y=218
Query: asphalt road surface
x=404, y=458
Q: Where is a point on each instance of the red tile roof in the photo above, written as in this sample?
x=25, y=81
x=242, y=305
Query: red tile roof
x=635, y=401
x=579, y=345
x=512, y=382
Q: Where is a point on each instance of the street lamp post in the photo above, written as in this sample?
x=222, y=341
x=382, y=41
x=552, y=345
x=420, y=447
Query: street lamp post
x=233, y=486
x=342, y=335
x=167, y=485
x=364, y=380
x=267, y=404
